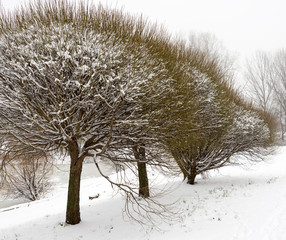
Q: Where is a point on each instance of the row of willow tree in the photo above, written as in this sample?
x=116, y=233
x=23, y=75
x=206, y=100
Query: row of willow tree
x=98, y=82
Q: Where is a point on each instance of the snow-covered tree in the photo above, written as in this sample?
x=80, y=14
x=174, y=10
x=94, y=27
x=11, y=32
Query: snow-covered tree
x=68, y=76
x=198, y=118
x=200, y=121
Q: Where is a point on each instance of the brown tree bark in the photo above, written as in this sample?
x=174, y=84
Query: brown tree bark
x=139, y=154
x=73, y=201
x=193, y=174
x=191, y=178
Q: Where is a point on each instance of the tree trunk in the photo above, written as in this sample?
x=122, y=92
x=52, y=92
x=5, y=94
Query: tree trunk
x=143, y=180
x=192, y=176
x=282, y=131
x=73, y=208
x=139, y=155
x=191, y=179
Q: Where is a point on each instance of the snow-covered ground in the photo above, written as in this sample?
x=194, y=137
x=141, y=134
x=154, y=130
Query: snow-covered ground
x=234, y=203
x=60, y=176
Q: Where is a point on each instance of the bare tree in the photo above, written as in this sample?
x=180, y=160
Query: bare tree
x=28, y=175
x=213, y=50
x=279, y=85
x=259, y=75
x=265, y=78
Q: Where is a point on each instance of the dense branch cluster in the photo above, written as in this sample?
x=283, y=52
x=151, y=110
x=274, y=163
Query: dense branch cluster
x=56, y=90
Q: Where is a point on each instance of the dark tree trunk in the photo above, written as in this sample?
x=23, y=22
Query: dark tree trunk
x=139, y=155
x=73, y=208
x=192, y=175
x=191, y=178
x=143, y=180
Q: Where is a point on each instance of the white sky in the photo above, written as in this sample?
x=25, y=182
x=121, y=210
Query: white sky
x=244, y=26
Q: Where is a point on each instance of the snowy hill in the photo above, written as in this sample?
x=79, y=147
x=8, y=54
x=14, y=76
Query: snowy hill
x=235, y=203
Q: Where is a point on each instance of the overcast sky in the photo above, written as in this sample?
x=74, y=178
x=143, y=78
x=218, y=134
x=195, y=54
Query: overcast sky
x=244, y=26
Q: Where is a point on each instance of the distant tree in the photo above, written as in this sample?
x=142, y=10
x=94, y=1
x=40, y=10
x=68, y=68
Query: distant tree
x=28, y=175
x=279, y=85
x=68, y=75
x=213, y=50
x=264, y=73
x=259, y=76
